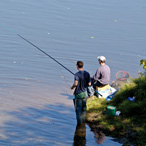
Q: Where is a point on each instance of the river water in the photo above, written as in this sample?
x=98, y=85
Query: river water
x=36, y=105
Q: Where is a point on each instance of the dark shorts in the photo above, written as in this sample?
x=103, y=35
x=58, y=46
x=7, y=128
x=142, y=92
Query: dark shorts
x=98, y=84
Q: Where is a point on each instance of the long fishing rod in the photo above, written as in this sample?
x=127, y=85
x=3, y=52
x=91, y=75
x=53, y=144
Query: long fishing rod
x=45, y=53
x=51, y=57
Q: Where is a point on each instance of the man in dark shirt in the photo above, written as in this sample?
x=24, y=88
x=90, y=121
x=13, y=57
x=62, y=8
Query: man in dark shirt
x=81, y=83
x=102, y=75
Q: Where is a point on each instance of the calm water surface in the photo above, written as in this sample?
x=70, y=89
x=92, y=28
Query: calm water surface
x=36, y=105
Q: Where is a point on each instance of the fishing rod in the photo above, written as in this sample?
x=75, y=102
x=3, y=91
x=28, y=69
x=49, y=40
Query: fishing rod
x=50, y=57
x=45, y=53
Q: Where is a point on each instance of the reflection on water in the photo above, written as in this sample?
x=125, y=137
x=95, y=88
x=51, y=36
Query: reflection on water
x=80, y=135
x=100, y=137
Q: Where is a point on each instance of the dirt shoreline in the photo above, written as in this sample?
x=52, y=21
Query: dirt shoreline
x=127, y=137
x=100, y=132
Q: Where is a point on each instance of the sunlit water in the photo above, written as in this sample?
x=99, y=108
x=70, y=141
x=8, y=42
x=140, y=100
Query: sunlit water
x=36, y=105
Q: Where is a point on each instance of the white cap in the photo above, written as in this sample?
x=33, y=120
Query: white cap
x=101, y=58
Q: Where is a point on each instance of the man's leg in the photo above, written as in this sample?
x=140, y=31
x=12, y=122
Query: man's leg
x=84, y=110
x=79, y=111
x=81, y=107
x=98, y=84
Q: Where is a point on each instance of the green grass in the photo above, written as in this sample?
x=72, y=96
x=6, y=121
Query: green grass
x=132, y=121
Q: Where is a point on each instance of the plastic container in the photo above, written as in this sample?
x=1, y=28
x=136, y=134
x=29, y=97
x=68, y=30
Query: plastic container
x=111, y=110
x=90, y=90
x=131, y=98
x=118, y=113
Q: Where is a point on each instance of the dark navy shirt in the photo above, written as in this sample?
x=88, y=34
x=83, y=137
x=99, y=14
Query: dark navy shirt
x=83, y=78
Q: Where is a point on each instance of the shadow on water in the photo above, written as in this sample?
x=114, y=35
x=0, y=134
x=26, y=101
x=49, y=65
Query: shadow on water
x=67, y=95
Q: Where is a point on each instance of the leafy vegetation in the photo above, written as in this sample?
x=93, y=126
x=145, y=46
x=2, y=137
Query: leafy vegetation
x=131, y=123
x=143, y=62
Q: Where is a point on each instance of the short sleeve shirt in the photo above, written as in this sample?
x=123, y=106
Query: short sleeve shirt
x=83, y=78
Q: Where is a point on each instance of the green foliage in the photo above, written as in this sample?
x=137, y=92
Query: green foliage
x=137, y=88
x=140, y=139
x=132, y=120
x=143, y=62
x=140, y=91
x=96, y=105
x=129, y=108
x=128, y=90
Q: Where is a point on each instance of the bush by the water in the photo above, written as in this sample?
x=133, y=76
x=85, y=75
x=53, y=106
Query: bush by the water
x=131, y=123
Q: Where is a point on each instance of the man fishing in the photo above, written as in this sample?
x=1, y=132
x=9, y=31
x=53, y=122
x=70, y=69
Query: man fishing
x=102, y=75
x=81, y=83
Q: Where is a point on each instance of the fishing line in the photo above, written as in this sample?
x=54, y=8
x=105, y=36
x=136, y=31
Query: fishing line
x=14, y=32
x=62, y=74
x=51, y=58
x=48, y=56
x=45, y=54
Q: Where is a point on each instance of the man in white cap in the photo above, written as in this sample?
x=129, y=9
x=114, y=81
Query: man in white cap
x=102, y=75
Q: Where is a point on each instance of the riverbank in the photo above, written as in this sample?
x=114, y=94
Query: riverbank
x=130, y=125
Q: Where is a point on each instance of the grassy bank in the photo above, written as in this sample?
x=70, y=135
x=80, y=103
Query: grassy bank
x=131, y=123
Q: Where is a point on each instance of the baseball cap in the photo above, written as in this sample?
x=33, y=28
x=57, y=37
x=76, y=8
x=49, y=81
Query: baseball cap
x=102, y=58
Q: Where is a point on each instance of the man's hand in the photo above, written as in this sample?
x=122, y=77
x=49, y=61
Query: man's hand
x=74, y=85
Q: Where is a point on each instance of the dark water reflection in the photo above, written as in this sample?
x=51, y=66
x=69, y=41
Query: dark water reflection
x=80, y=135
x=100, y=137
